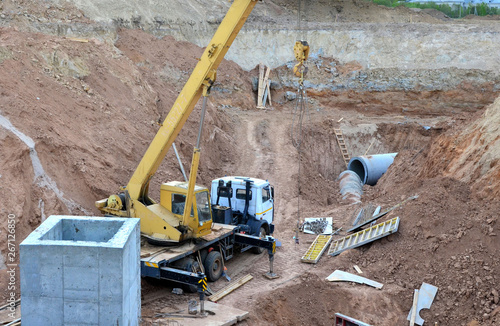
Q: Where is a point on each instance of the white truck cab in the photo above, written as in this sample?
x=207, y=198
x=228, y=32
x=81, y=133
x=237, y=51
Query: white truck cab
x=243, y=201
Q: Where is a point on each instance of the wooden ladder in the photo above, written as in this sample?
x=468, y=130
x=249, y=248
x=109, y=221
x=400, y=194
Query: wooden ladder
x=342, y=145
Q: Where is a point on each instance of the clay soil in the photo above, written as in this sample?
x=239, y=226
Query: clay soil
x=91, y=107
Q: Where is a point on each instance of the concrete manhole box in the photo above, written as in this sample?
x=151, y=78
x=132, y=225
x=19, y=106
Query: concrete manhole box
x=81, y=271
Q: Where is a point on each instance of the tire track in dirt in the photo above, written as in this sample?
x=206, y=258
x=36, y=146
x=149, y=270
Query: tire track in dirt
x=257, y=158
x=269, y=154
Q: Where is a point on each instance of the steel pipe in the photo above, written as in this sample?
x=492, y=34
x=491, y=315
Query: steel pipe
x=371, y=167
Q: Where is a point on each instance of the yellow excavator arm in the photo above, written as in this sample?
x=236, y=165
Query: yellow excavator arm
x=157, y=220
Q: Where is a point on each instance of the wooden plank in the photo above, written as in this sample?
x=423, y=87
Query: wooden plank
x=218, y=230
x=147, y=251
x=230, y=288
x=264, y=85
x=156, y=254
x=76, y=39
x=369, y=146
x=266, y=77
x=260, y=91
x=356, y=267
x=264, y=100
x=414, y=308
x=269, y=91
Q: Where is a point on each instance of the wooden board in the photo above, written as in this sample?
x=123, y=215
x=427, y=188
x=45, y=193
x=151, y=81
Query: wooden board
x=218, y=230
x=230, y=288
x=156, y=254
x=263, y=86
x=269, y=91
x=260, y=92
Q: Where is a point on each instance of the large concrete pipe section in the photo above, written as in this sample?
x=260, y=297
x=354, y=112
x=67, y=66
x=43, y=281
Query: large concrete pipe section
x=371, y=167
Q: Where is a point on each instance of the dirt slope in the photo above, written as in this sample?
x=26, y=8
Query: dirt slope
x=89, y=110
x=471, y=154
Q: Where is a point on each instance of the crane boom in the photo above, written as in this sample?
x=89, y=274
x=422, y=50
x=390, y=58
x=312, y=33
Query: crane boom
x=203, y=74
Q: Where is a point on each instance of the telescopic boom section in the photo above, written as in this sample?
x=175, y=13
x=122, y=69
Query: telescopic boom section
x=202, y=76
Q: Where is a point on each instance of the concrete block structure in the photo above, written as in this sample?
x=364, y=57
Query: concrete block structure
x=81, y=271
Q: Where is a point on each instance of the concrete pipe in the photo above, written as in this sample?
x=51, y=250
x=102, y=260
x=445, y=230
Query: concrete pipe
x=370, y=168
x=351, y=187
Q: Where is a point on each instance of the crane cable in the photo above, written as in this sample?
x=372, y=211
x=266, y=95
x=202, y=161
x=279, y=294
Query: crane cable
x=301, y=50
x=299, y=19
x=299, y=112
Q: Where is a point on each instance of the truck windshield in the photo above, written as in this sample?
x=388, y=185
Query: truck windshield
x=203, y=206
x=178, y=202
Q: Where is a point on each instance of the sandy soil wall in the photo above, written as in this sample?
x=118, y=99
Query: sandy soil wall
x=391, y=45
x=403, y=46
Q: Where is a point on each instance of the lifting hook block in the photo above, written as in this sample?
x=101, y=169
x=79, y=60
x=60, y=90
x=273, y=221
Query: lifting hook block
x=301, y=51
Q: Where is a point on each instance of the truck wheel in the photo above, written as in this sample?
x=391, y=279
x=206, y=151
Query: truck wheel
x=190, y=265
x=213, y=266
x=262, y=234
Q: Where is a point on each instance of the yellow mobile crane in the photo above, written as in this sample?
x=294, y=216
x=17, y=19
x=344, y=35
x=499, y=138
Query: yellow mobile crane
x=184, y=208
x=184, y=211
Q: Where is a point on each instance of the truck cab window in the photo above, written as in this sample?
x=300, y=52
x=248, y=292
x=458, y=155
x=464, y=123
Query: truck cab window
x=178, y=202
x=242, y=193
x=203, y=206
x=265, y=195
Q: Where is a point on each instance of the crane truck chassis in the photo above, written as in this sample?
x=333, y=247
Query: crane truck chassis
x=178, y=263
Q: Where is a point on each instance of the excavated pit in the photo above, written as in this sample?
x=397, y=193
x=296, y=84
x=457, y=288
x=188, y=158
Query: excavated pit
x=91, y=109
x=321, y=300
x=322, y=159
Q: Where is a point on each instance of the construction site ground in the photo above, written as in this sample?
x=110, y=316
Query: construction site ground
x=91, y=106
